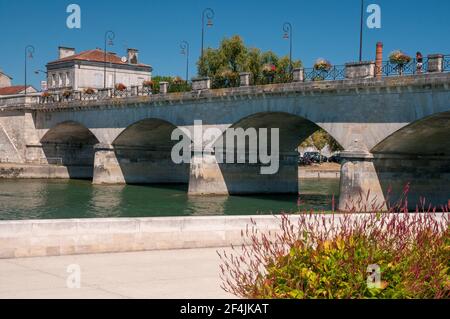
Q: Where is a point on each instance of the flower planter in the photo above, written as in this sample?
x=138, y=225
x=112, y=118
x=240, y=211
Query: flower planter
x=400, y=59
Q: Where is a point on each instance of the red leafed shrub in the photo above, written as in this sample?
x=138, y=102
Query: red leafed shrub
x=371, y=255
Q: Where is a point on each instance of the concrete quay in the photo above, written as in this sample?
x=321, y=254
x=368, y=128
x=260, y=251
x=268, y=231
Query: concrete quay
x=166, y=274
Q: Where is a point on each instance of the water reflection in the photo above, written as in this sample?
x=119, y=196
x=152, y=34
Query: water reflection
x=105, y=201
x=207, y=205
x=43, y=199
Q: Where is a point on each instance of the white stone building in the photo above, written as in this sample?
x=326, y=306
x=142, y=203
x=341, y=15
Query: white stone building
x=86, y=70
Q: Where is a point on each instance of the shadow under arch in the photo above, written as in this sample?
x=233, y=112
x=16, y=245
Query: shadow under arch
x=419, y=155
x=247, y=178
x=143, y=151
x=71, y=144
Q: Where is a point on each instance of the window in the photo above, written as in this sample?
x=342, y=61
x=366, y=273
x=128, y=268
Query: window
x=67, y=79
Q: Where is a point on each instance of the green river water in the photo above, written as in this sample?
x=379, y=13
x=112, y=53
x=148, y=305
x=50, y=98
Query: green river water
x=47, y=199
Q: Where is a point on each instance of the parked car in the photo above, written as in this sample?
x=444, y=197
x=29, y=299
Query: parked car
x=336, y=158
x=303, y=161
x=315, y=157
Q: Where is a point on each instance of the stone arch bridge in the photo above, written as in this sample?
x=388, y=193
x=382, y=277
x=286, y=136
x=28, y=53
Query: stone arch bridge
x=394, y=131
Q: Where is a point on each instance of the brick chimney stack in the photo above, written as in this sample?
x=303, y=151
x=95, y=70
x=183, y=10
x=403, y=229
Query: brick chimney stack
x=379, y=60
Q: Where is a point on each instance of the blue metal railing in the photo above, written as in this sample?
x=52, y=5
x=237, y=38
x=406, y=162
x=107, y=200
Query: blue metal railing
x=446, y=63
x=334, y=73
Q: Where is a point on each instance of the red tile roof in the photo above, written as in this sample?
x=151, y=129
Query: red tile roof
x=96, y=55
x=10, y=90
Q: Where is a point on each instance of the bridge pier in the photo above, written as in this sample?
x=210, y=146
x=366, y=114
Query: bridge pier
x=360, y=187
x=207, y=177
x=134, y=165
x=106, y=166
x=390, y=179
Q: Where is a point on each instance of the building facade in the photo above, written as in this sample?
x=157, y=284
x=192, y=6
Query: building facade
x=87, y=70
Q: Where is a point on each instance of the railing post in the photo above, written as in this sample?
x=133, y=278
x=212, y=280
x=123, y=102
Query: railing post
x=163, y=86
x=244, y=79
x=360, y=70
x=298, y=75
x=201, y=84
x=435, y=63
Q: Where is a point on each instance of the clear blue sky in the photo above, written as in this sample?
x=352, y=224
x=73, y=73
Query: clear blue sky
x=322, y=28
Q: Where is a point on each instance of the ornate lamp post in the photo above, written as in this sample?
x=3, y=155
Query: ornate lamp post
x=361, y=32
x=109, y=37
x=29, y=51
x=185, y=51
x=287, y=28
x=209, y=14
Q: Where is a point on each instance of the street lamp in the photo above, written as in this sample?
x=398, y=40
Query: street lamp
x=287, y=28
x=29, y=51
x=40, y=71
x=185, y=51
x=109, y=37
x=209, y=13
x=361, y=32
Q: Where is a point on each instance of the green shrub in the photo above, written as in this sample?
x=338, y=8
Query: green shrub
x=411, y=250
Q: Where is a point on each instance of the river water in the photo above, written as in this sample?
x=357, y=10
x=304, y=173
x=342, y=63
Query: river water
x=46, y=199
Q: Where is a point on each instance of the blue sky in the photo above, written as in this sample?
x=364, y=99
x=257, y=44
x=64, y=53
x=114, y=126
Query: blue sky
x=322, y=28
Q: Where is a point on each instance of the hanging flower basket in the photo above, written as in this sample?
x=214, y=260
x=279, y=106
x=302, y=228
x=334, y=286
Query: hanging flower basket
x=147, y=84
x=399, y=58
x=322, y=65
x=89, y=91
x=45, y=94
x=120, y=87
x=177, y=80
x=269, y=69
x=66, y=94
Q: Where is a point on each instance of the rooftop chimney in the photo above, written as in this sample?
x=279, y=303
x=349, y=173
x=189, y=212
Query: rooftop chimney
x=379, y=60
x=132, y=56
x=64, y=52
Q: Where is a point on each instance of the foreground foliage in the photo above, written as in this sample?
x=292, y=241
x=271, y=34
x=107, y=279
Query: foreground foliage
x=328, y=256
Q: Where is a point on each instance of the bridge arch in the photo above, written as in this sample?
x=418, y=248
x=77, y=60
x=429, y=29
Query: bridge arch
x=417, y=155
x=249, y=171
x=426, y=136
x=143, y=152
x=293, y=128
x=70, y=144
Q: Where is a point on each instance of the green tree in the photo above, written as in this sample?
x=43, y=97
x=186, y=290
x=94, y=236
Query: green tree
x=176, y=84
x=320, y=139
x=224, y=64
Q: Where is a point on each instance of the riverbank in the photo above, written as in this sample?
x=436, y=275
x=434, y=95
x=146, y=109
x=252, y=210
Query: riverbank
x=318, y=171
x=36, y=171
x=40, y=238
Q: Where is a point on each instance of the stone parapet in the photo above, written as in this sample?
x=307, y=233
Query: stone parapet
x=360, y=70
x=33, y=238
x=298, y=75
x=435, y=63
x=200, y=84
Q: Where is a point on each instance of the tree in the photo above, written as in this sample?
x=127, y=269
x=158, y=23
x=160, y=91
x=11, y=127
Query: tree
x=176, y=84
x=320, y=139
x=224, y=64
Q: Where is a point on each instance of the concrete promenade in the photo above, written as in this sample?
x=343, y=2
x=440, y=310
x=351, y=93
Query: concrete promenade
x=188, y=273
